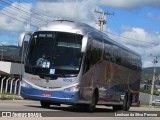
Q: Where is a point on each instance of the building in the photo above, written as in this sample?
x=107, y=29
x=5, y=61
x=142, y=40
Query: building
x=10, y=60
x=11, y=68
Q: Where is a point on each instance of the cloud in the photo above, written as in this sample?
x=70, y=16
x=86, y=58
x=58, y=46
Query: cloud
x=130, y=4
x=9, y=15
x=140, y=38
x=147, y=64
x=77, y=10
x=155, y=51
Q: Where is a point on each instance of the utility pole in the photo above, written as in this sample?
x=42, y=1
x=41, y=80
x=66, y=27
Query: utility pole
x=102, y=21
x=155, y=61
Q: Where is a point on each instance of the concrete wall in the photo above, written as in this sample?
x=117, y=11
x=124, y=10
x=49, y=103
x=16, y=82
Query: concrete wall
x=17, y=68
x=145, y=98
x=11, y=68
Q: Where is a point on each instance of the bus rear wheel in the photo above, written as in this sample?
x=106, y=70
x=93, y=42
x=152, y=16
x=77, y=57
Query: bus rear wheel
x=45, y=104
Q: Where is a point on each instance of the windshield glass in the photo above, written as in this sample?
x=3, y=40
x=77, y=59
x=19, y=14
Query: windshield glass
x=53, y=51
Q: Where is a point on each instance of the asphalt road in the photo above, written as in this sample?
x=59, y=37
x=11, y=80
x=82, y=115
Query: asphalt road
x=25, y=108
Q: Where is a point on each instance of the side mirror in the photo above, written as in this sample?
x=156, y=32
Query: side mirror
x=23, y=36
x=84, y=44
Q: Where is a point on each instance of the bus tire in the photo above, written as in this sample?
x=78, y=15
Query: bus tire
x=45, y=104
x=92, y=105
x=126, y=102
x=129, y=103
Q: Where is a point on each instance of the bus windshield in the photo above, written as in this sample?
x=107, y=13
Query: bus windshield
x=54, y=51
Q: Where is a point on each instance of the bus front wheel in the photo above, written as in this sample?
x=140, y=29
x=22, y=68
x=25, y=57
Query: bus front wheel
x=45, y=104
x=92, y=105
x=126, y=102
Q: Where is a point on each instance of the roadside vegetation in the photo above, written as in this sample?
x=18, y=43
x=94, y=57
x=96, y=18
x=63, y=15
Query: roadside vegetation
x=5, y=96
x=148, y=106
x=146, y=80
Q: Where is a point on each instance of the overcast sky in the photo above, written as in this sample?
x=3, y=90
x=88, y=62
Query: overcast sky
x=138, y=20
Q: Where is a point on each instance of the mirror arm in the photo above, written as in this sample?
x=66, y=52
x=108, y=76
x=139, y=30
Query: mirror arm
x=22, y=36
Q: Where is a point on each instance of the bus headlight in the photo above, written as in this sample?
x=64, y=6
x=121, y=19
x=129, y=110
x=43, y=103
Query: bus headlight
x=25, y=84
x=72, y=89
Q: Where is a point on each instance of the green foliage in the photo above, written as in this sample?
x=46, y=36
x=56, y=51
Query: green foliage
x=147, y=74
x=4, y=96
x=146, y=78
x=155, y=92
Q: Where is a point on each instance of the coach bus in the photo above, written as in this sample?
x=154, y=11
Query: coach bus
x=68, y=62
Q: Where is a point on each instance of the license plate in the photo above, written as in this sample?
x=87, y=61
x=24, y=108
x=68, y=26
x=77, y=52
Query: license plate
x=46, y=94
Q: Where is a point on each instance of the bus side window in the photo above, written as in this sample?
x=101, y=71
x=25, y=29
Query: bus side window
x=87, y=62
x=107, y=52
x=117, y=58
x=116, y=54
x=93, y=53
x=96, y=51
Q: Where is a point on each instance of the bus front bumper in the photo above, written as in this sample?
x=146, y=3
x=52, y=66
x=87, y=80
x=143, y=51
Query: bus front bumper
x=60, y=96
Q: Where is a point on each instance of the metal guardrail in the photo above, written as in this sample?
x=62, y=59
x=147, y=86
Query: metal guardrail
x=10, y=85
x=2, y=84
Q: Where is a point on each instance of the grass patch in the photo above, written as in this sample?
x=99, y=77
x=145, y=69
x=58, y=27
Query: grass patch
x=145, y=105
x=6, y=96
x=148, y=106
